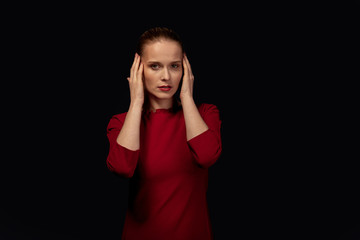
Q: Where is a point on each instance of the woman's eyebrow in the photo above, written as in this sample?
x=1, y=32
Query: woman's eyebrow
x=157, y=62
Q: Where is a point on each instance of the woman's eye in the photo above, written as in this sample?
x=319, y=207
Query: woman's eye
x=175, y=66
x=155, y=66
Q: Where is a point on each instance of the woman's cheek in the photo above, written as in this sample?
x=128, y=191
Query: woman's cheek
x=147, y=79
x=148, y=75
x=178, y=77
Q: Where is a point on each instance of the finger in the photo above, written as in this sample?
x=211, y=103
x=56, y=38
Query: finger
x=135, y=66
x=186, y=69
x=188, y=65
x=140, y=72
x=132, y=67
x=134, y=60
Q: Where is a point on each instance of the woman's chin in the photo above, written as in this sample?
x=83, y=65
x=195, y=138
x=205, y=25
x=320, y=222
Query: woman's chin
x=163, y=95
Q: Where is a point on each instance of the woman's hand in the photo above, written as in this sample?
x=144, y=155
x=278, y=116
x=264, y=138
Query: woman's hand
x=188, y=80
x=194, y=123
x=136, y=81
x=129, y=136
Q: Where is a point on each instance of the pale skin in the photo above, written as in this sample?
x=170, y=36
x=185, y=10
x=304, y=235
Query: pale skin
x=161, y=65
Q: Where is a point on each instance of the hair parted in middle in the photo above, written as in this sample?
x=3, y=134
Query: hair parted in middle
x=157, y=34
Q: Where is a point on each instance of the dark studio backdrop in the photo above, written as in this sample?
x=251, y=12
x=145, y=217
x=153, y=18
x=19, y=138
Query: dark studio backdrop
x=288, y=167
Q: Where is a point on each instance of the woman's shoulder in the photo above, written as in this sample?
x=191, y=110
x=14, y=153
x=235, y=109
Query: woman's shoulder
x=119, y=116
x=207, y=107
x=116, y=121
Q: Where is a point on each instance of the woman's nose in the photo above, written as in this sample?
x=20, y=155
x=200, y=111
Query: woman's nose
x=165, y=75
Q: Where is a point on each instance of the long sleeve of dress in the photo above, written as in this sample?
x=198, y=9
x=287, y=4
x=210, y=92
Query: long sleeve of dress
x=120, y=160
x=169, y=175
x=206, y=147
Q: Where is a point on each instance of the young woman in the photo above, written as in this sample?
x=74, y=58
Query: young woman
x=164, y=145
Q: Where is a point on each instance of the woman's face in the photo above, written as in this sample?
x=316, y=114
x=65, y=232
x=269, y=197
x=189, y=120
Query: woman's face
x=162, y=68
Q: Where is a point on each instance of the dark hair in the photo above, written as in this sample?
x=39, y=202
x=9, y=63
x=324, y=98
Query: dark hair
x=156, y=34
x=153, y=35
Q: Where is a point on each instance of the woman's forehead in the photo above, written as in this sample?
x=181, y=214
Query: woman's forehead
x=165, y=50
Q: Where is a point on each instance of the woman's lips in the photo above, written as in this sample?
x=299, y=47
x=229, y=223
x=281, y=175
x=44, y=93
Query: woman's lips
x=165, y=88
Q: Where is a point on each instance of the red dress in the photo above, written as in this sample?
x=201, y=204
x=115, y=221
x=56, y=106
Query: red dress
x=169, y=175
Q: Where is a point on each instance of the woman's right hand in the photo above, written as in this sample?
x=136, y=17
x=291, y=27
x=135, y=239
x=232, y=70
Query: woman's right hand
x=136, y=81
x=129, y=136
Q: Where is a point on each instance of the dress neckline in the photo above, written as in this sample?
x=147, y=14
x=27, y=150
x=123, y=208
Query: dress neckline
x=162, y=110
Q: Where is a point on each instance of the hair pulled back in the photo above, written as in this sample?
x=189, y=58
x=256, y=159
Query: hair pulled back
x=157, y=34
x=153, y=35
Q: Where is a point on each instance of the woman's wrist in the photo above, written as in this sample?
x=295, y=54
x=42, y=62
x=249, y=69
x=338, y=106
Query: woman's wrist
x=136, y=104
x=187, y=102
x=186, y=98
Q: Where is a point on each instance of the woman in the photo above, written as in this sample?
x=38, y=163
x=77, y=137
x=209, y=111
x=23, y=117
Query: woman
x=165, y=146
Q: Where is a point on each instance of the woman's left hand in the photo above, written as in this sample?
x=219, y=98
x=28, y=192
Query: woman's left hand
x=188, y=80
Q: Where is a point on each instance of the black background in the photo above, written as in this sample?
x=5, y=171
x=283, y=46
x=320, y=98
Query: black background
x=280, y=76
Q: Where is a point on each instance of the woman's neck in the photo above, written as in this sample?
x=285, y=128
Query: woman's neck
x=160, y=104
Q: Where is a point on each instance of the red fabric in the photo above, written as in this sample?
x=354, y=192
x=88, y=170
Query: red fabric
x=169, y=175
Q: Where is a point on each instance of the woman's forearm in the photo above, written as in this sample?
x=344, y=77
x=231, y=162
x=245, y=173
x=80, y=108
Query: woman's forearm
x=129, y=136
x=195, y=125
